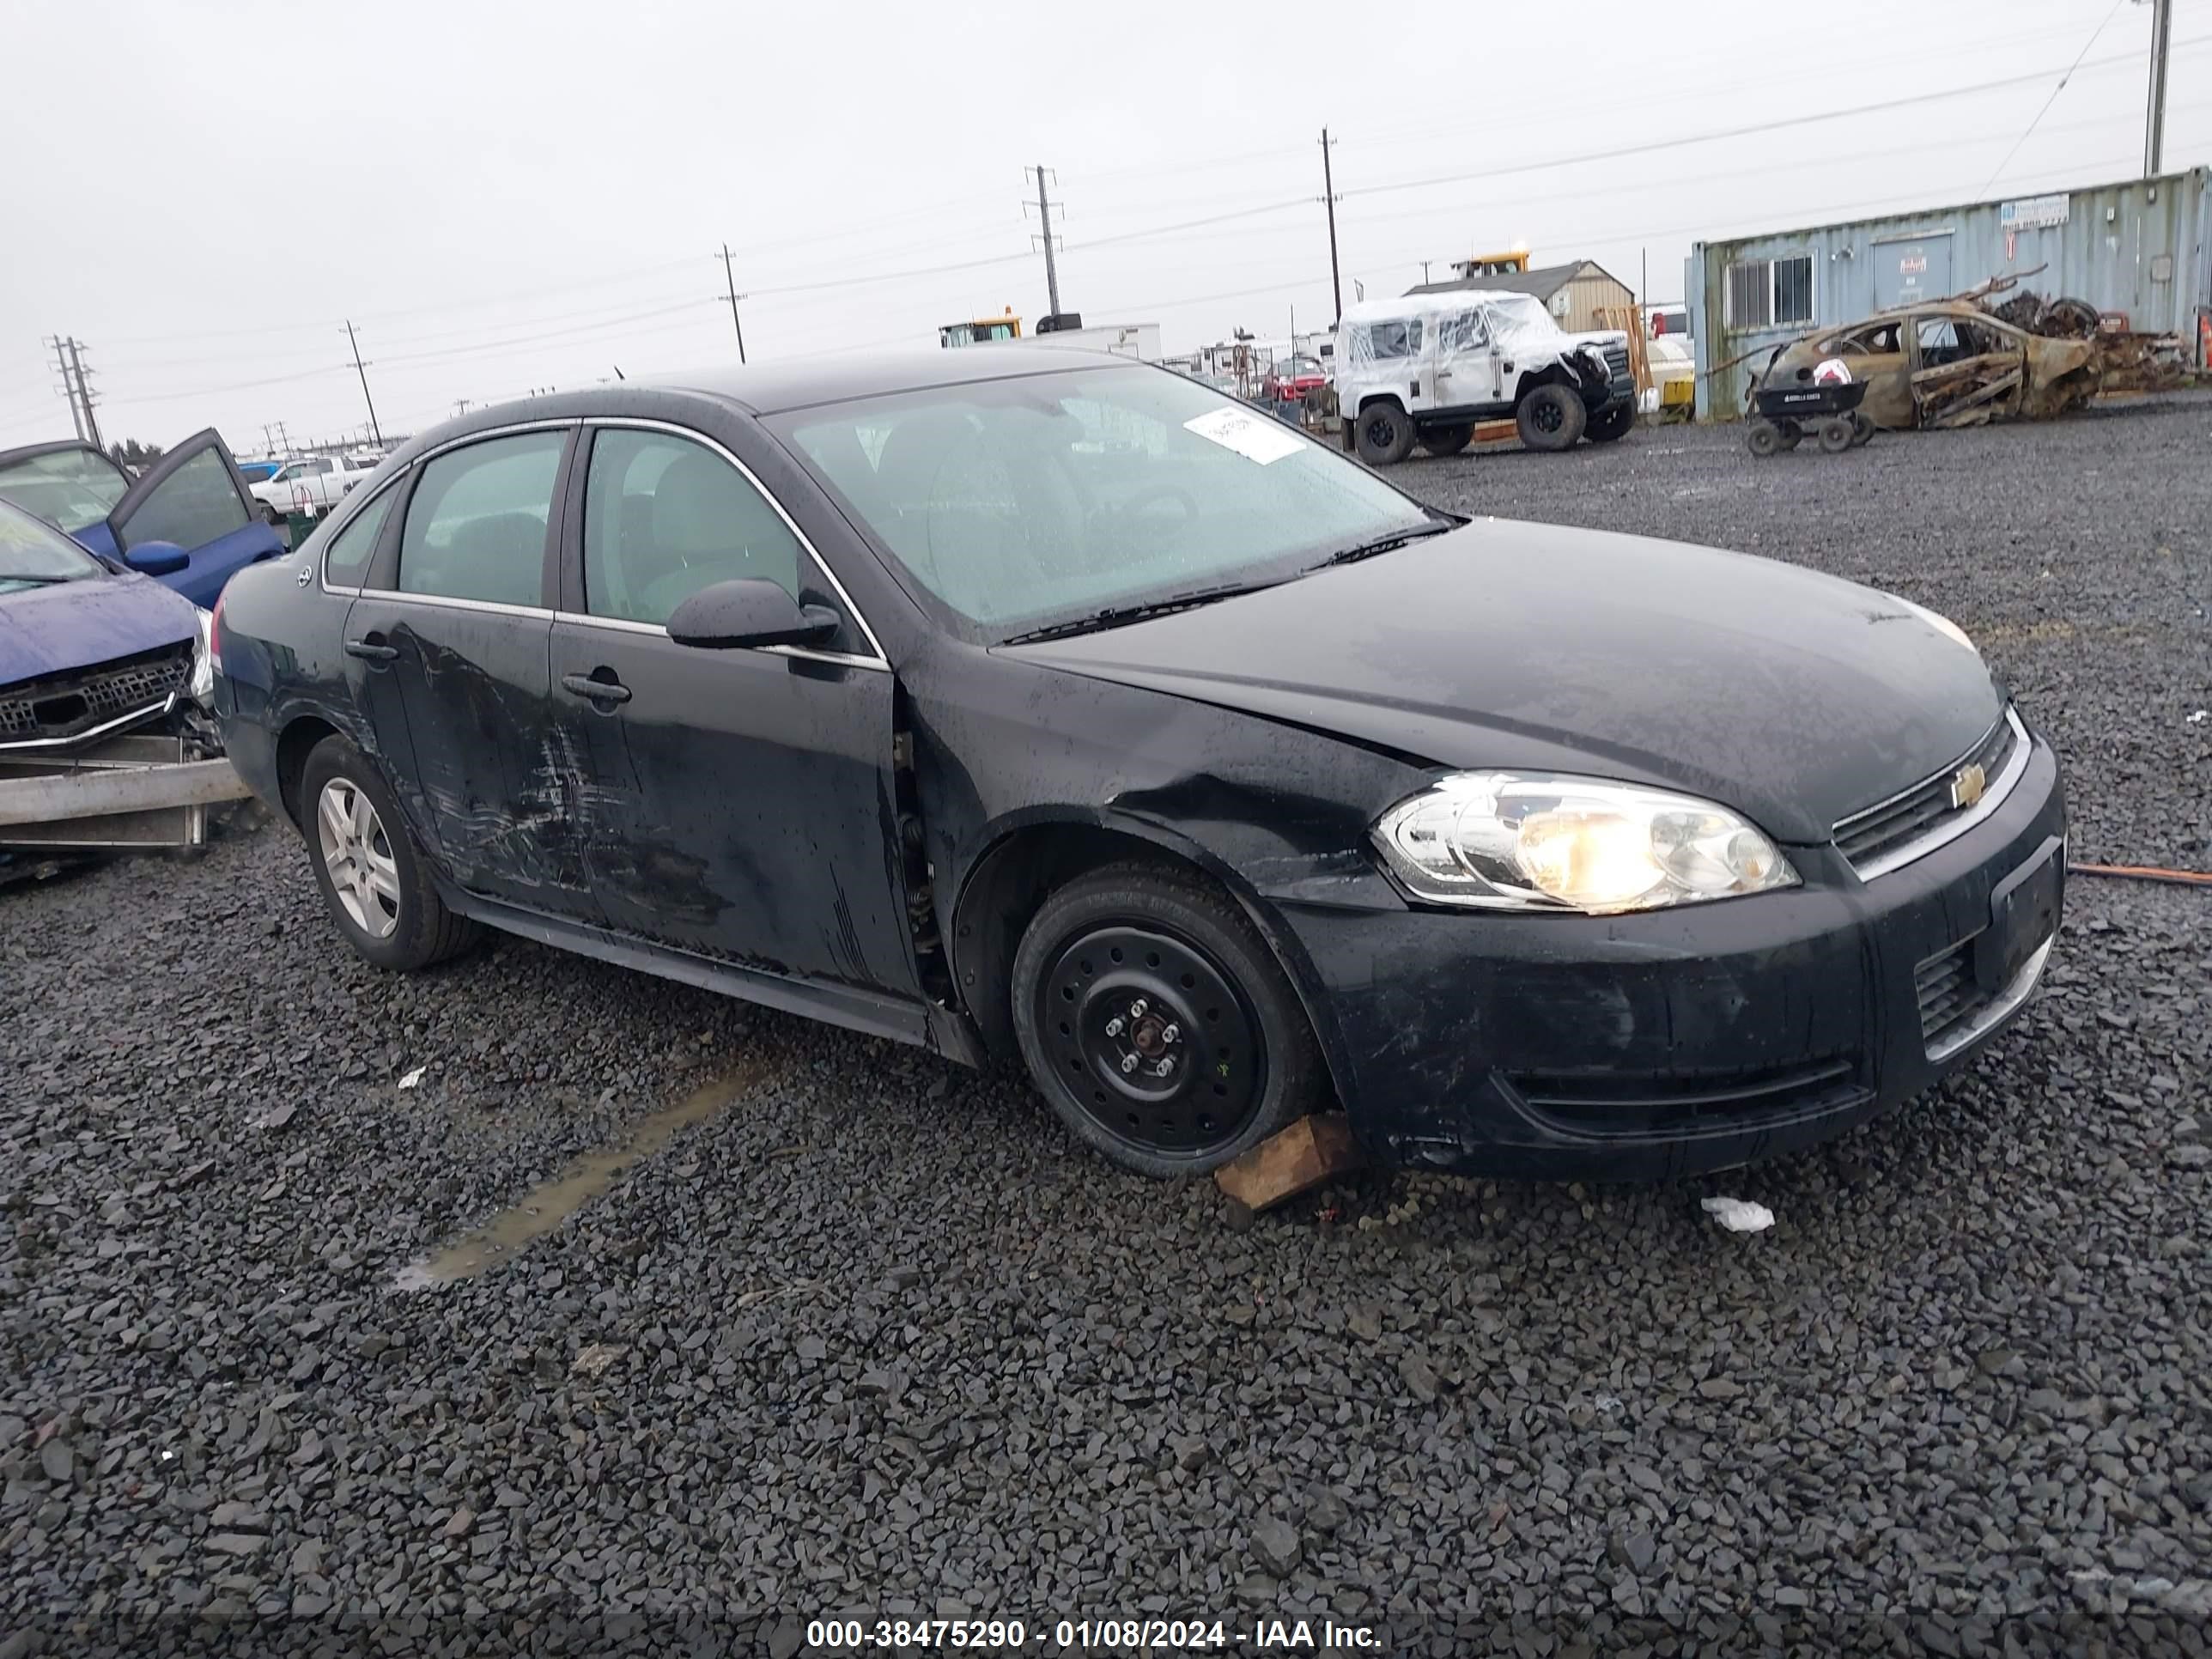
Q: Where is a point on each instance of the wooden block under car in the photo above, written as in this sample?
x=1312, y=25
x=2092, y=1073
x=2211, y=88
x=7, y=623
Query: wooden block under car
x=1292, y=1161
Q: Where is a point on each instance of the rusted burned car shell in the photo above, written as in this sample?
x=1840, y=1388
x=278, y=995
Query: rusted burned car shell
x=891, y=839
x=1989, y=370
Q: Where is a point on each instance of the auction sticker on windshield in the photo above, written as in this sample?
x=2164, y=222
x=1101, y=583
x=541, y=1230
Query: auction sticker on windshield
x=1254, y=437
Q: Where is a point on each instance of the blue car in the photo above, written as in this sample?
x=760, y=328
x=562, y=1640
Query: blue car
x=188, y=520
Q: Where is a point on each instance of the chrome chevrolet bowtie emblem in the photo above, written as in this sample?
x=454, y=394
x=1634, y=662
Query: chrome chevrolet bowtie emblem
x=1966, y=786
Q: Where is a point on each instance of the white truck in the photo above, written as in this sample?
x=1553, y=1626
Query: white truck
x=1424, y=368
x=308, y=486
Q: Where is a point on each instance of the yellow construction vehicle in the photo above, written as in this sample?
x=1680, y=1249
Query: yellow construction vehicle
x=1492, y=264
x=980, y=329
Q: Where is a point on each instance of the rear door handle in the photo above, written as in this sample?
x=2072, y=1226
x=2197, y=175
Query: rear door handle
x=606, y=690
x=370, y=650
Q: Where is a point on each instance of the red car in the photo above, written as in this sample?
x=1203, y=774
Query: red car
x=1293, y=381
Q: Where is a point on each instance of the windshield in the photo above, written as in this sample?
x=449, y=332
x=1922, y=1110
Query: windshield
x=72, y=488
x=33, y=553
x=1019, y=503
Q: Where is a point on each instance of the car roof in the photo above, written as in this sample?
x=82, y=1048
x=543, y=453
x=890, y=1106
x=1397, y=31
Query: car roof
x=773, y=387
x=58, y=446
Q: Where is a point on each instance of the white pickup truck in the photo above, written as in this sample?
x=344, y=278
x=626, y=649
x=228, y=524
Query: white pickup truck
x=309, y=485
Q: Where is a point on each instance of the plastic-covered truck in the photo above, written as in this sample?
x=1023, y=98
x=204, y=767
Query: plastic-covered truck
x=1424, y=367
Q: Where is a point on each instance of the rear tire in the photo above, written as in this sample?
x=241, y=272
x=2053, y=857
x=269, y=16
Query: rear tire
x=1385, y=434
x=1611, y=425
x=1837, y=435
x=1133, y=967
x=372, y=876
x=1551, y=418
x=1443, y=441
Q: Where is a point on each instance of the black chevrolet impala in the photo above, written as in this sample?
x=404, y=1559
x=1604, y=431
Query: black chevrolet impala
x=1030, y=701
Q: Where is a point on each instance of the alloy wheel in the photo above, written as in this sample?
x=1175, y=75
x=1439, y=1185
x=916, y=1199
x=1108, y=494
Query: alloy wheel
x=1152, y=1041
x=357, y=856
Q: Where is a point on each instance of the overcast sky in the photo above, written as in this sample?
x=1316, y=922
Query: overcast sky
x=507, y=195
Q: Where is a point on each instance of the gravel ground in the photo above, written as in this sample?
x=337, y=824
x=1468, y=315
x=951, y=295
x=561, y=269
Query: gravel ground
x=877, y=1338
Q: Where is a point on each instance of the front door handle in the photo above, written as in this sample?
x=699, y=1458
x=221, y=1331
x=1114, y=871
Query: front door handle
x=371, y=649
x=609, y=689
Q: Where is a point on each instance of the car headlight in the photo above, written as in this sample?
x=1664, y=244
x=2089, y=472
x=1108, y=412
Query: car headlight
x=1942, y=624
x=201, y=687
x=1511, y=841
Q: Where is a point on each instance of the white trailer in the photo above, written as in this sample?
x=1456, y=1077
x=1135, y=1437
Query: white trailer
x=1139, y=340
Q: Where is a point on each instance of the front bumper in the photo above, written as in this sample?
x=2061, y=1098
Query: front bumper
x=1673, y=1042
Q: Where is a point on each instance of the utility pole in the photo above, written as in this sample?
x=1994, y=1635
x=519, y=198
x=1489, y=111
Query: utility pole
x=734, y=323
x=1329, y=195
x=362, y=369
x=1424, y=273
x=1044, y=214
x=84, y=397
x=2162, y=36
x=69, y=385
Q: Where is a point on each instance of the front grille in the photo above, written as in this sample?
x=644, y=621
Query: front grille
x=1881, y=837
x=1949, y=996
x=61, y=705
x=1616, y=361
x=1601, y=1105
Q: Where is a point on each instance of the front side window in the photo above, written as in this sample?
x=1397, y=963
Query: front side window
x=347, y=562
x=1021, y=503
x=476, y=527
x=664, y=517
x=72, y=488
x=193, y=506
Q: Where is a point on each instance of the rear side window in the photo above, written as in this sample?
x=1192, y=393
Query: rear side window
x=193, y=506
x=347, y=562
x=476, y=527
x=664, y=517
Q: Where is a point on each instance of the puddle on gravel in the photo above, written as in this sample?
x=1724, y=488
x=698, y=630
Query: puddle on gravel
x=546, y=1206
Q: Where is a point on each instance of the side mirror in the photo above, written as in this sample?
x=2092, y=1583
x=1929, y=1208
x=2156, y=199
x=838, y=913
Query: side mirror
x=157, y=558
x=750, y=610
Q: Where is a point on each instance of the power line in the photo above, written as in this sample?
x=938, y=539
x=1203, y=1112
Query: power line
x=2055, y=91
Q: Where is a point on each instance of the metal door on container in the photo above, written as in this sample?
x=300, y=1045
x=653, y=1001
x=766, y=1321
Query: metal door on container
x=1911, y=273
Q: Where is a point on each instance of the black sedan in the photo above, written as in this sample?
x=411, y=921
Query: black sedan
x=1033, y=701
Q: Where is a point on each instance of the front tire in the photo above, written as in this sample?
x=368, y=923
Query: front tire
x=1158, y=1025
x=1551, y=418
x=1385, y=434
x=371, y=875
x=271, y=516
x=1611, y=425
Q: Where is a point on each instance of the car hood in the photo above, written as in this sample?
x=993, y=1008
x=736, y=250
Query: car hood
x=71, y=625
x=1794, y=697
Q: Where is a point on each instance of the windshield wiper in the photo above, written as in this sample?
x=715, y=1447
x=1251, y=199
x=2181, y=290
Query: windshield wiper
x=14, y=576
x=1396, y=538
x=1115, y=615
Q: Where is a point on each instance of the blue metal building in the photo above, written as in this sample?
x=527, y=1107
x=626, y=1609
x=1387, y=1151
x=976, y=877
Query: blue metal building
x=2143, y=249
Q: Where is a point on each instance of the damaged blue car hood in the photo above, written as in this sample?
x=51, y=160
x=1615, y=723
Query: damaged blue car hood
x=63, y=626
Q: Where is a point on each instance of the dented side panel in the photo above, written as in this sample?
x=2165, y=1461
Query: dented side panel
x=738, y=805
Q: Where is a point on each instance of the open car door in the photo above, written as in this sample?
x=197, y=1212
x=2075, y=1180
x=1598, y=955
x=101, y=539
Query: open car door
x=193, y=501
x=1965, y=373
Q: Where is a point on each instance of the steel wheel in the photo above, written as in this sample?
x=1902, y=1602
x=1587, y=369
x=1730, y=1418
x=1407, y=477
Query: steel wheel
x=357, y=855
x=1155, y=1044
